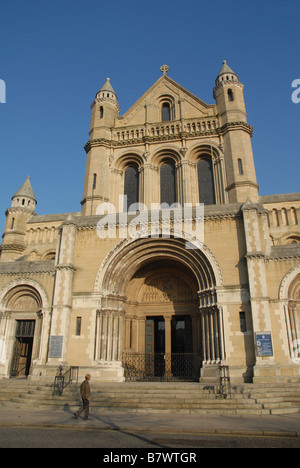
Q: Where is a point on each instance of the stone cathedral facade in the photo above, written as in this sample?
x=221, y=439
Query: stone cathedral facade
x=120, y=288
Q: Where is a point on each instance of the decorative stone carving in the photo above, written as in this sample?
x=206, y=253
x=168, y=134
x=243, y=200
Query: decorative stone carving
x=166, y=290
x=24, y=303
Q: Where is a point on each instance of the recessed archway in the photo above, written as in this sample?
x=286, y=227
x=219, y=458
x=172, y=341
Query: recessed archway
x=23, y=304
x=161, y=285
x=132, y=254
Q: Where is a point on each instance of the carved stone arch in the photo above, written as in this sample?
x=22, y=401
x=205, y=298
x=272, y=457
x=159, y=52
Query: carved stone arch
x=289, y=294
x=24, y=299
x=292, y=238
x=198, y=150
x=288, y=279
x=49, y=255
x=128, y=161
x=211, y=152
x=34, y=287
x=294, y=289
x=160, y=278
x=169, y=176
x=166, y=97
x=24, y=325
x=162, y=100
x=127, y=158
x=169, y=152
x=129, y=255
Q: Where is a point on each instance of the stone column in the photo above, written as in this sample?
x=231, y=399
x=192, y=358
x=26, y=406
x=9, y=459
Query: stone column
x=185, y=170
x=168, y=345
x=150, y=172
x=258, y=248
x=63, y=291
x=212, y=343
x=108, y=336
x=109, y=345
x=3, y=351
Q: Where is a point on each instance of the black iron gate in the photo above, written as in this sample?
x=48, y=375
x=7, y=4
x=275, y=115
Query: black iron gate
x=161, y=367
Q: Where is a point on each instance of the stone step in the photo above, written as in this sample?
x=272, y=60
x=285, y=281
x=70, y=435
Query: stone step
x=125, y=399
x=148, y=409
x=100, y=397
x=108, y=409
x=155, y=397
x=283, y=404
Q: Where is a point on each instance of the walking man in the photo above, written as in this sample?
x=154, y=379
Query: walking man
x=85, y=392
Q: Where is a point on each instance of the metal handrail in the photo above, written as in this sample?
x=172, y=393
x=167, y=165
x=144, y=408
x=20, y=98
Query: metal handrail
x=224, y=389
x=61, y=380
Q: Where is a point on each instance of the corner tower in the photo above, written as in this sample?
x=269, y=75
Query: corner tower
x=105, y=109
x=240, y=170
x=22, y=208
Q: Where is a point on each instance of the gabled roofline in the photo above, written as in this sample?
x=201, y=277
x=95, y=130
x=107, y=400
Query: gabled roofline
x=172, y=82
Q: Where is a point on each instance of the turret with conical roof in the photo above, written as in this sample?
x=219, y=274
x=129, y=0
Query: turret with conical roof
x=229, y=95
x=22, y=208
x=236, y=134
x=105, y=109
x=226, y=74
x=107, y=91
x=25, y=197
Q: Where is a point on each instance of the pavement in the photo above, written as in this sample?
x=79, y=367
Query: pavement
x=285, y=425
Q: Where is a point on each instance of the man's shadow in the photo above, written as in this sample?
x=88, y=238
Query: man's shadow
x=113, y=426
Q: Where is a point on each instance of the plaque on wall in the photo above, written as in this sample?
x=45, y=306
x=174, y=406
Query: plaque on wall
x=264, y=344
x=56, y=343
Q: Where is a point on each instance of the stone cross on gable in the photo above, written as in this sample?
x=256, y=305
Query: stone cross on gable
x=164, y=69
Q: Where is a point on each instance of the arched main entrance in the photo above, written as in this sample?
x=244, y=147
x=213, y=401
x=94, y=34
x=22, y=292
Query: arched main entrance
x=159, y=309
x=162, y=324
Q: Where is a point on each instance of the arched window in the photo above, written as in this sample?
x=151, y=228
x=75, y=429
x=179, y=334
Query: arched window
x=168, y=183
x=94, y=181
x=131, y=186
x=165, y=112
x=230, y=95
x=206, y=181
x=240, y=165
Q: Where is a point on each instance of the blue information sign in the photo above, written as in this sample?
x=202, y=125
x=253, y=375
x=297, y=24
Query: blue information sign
x=264, y=344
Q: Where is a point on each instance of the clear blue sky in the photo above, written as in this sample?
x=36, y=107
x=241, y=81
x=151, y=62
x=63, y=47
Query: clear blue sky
x=56, y=55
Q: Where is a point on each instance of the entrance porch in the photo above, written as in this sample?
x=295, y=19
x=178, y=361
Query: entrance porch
x=168, y=352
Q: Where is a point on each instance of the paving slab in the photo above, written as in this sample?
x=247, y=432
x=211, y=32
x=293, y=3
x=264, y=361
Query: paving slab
x=287, y=425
